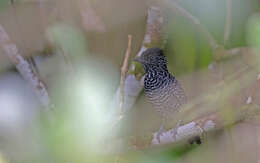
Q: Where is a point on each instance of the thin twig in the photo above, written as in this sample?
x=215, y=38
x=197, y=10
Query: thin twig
x=24, y=67
x=124, y=69
x=153, y=38
x=228, y=21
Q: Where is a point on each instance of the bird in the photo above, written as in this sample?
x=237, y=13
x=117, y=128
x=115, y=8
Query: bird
x=161, y=88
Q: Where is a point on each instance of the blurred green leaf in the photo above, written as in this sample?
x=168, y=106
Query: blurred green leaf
x=254, y=31
x=70, y=40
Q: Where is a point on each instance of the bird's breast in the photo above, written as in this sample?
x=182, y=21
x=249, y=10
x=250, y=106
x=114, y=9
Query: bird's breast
x=165, y=94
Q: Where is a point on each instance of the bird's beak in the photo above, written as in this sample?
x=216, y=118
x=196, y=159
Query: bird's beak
x=139, y=59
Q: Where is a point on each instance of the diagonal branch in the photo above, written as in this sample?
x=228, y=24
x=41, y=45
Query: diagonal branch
x=153, y=38
x=226, y=114
x=24, y=68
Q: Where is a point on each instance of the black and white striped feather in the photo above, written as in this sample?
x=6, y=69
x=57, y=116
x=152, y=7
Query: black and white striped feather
x=162, y=89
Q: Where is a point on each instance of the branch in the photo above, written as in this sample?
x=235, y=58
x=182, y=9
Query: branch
x=153, y=38
x=124, y=71
x=201, y=126
x=194, y=128
x=214, y=120
x=218, y=120
x=222, y=105
x=24, y=68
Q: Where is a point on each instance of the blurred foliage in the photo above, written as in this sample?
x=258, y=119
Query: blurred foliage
x=187, y=48
x=68, y=39
x=253, y=32
x=4, y=3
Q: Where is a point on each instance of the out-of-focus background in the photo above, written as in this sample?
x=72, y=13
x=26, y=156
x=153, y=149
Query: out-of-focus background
x=77, y=48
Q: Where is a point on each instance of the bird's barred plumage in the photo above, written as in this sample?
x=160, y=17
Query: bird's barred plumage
x=162, y=89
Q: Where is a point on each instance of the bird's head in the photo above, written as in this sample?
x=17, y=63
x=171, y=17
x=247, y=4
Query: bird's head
x=152, y=58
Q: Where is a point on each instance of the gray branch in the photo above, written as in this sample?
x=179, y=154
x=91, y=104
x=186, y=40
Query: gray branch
x=24, y=67
x=133, y=85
